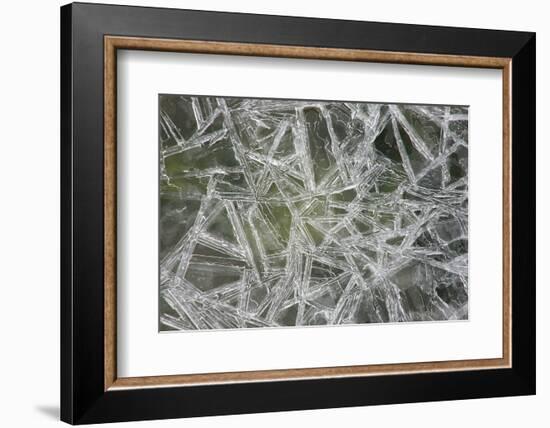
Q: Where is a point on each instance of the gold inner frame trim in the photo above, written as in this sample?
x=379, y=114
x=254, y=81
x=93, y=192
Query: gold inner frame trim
x=113, y=43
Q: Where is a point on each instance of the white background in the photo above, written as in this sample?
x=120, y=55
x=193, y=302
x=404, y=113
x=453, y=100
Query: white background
x=29, y=226
x=144, y=352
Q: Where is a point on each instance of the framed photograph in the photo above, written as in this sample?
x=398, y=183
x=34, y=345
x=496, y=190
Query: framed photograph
x=265, y=213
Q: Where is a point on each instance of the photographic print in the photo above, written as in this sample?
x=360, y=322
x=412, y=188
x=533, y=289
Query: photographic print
x=289, y=213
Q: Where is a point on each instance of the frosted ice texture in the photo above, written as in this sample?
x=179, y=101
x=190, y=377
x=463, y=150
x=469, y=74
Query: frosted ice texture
x=299, y=213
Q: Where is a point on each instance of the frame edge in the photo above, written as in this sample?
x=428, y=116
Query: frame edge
x=524, y=216
x=66, y=315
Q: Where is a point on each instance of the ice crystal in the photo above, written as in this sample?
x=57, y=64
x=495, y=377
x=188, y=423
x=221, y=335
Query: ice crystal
x=299, y=213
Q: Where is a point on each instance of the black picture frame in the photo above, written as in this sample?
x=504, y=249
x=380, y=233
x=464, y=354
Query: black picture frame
x=83, y=396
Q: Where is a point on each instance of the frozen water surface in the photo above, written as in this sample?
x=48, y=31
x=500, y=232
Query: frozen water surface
x=299, y=213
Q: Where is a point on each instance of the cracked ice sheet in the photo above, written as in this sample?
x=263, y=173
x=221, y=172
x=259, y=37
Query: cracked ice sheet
x=299, y=213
